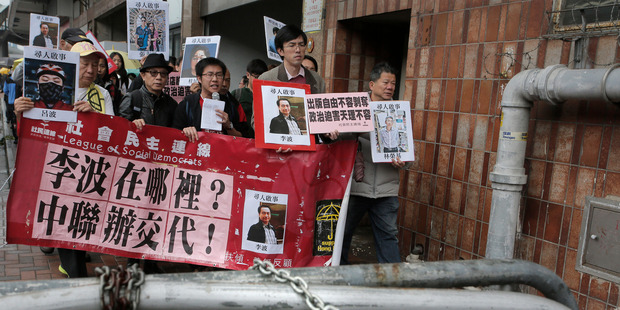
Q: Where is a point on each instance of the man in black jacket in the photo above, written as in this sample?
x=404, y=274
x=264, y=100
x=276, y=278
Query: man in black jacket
x=187, y=117
x=284, y=123
x=263, y=231
x=149, y=104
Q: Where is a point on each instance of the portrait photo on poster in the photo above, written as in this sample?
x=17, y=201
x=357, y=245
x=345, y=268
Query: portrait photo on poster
x=44, y=30
x=196, y=49
x=50, y=81
x=271, y=29
x=264, y=222
x=284, y=114
x=393, y=136
x=147, y=28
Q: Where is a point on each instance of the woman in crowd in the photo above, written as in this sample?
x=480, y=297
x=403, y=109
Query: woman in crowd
x=104, y=80
x=121, y=73
x=153, y=38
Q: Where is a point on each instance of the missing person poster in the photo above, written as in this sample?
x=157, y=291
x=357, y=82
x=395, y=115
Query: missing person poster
x=50, y=81
x=280, y=116
x=44, y=30
x=264, y=222
x=147, y=28
x=393, y=135
x=271, y=29
x=197, y=48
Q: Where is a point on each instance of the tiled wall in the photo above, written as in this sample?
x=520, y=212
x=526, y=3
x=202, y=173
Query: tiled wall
x=461, y=54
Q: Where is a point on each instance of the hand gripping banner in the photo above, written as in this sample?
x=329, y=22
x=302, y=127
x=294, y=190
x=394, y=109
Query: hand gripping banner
x=100, y=185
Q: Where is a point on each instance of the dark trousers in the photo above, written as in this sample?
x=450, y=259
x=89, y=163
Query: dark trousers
x=73, y=262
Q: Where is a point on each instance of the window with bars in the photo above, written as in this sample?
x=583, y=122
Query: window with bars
x=586, y=14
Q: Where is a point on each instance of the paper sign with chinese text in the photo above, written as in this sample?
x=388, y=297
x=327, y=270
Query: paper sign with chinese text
x=345, y=112
x=197, y=48
x=147, y=28
x=44, y=31
x=393, y=136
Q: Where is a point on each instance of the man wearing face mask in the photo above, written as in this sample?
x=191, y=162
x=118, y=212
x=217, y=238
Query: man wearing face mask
x=51, y=85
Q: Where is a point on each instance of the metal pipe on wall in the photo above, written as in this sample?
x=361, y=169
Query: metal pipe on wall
x=554, y=84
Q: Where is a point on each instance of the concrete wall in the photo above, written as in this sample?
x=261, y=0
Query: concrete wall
x=243, y=37
x=460, y=55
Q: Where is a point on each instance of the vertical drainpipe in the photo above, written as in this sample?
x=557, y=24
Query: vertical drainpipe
x=555, y=84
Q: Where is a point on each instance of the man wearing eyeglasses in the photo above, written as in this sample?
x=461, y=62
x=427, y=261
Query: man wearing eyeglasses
x=291, y=45
x=188, y=114
x=149, y=104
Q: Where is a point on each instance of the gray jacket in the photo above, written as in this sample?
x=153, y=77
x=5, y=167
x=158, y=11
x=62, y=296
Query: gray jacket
x=380, y=179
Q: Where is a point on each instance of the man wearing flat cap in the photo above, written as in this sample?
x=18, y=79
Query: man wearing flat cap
x=149, y=104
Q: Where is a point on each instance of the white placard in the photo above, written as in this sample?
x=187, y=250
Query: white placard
x=208, y=119
x=393, y=136
x=277, y=126
x=271, y=28
x=147, y=28
x=197, y=48
x=44, y=31
x=51, y=81
x=313, y=13
x=254, y=236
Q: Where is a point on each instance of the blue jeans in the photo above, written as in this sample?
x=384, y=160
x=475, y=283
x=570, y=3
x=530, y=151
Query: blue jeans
x=383, y=213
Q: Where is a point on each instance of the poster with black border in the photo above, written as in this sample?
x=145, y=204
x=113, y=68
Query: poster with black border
x=147, y=28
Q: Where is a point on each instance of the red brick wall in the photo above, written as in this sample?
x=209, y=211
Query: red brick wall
x=460, y=56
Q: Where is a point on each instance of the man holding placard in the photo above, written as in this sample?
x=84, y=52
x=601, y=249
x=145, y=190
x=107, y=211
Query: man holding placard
x=189, y=113
x=377, y=191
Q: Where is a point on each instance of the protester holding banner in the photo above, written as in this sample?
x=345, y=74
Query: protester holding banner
x=150, y=105
x=377, y=192
x=188, y=115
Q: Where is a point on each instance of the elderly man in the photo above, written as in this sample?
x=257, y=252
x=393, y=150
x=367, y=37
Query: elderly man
x=377, y=193
x=90, y=98
x=149, y=104
x=187, y=117
x=284, y=123
x=263, y=231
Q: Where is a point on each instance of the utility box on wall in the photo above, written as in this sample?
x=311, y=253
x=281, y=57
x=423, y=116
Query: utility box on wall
x=599, y=241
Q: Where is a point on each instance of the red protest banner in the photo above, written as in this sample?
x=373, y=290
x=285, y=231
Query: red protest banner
x=99, y=185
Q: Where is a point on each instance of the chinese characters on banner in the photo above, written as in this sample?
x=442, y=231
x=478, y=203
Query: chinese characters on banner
x=345, y=112
x=393, y=135
x=99, y=186
x=147, y=28
x=174, y=89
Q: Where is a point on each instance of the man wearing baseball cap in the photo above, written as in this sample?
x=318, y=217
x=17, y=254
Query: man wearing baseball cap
x=90, y=96
x=71, y=36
